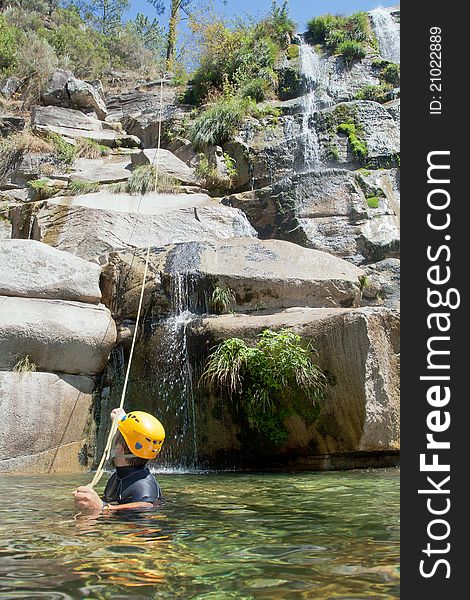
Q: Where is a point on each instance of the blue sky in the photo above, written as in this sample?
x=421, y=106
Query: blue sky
x=301, y=10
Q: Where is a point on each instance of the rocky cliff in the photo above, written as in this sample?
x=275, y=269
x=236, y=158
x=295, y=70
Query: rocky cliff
x=296, y=216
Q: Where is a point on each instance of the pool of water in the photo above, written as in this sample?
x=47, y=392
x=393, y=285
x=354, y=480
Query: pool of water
x=217, y=537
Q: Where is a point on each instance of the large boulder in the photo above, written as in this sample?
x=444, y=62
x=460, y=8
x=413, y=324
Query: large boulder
x=167, y=162
x=45, y=421
x=100, y=171
x=94, y=224
x=9, y=87
x=55, y=92
x=263, y=275
x=86, y=97
x=74, y=124
x=57, y=335
x=30, y=269
x=360, y=414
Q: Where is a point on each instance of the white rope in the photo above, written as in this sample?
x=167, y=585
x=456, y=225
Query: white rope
x=109, y=443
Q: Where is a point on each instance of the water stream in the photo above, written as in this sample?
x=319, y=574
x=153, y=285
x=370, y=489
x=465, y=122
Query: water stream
x=387, y=32
x=217, y=537
x=311, y=70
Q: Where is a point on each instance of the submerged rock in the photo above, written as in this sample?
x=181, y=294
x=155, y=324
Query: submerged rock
x=46, y=417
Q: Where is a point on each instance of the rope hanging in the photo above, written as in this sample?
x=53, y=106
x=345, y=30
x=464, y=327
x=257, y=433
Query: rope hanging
x=112, y=432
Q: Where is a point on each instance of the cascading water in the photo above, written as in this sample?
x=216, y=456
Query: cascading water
x=387, y=32
x=311, y=70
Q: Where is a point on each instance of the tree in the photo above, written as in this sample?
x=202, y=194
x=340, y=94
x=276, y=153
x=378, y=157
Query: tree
x=176, y=7
x=107, y=14
x=150, y=32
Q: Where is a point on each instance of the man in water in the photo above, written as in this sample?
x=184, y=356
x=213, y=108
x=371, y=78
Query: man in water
x=139, y=438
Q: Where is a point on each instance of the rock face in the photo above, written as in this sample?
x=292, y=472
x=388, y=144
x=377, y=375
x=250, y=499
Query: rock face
x=139, y=112
x=329, y=210
x=84, y=96
x=45, y=421
x=263, y=275
x=9, y=86
x=94, y=224
x=358, y=348
x=167, y=162
x=54, y=338
x=29, y=269
x=74, y=124
x=97, y=170
x=58, y=336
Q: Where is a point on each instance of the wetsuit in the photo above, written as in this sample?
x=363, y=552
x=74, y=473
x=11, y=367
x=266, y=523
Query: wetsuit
x=132, y=484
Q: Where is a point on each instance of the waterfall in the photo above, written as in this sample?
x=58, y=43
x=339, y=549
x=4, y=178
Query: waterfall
x=387, y=32
x=311, y=70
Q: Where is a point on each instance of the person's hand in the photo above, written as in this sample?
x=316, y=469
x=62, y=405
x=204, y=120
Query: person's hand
x=87, y=501
x=117, y=413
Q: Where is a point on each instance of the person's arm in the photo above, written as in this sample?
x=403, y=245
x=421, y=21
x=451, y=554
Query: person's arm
x=88, y=502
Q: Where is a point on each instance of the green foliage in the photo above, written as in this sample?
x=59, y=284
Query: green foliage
x=358, y=147
x=234, y=57
x=391, y=74
x=266, y=379
x=9, y=40
x=14, y=147
x=364, y=282
x=210, y=177
x=333, y=152
x=351, y=50
x=218, y=122
x=348, y=36
x=87, y=148
x=63, y=151
x=373, y=202
x=35, y=62
x=255, y=89
x=106, y=15
x=78, y=188
x=42, y=189
x=377, y=93
x=221, y=299
x=293, y=51
x=146, y=179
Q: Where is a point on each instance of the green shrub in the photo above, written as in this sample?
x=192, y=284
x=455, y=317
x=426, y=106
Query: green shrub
x=63, y=151
x=43, y=189
x=373, y=202
x=358, y=147
x=318, y=28
x=221, y=299
x=376, y=93
x=265, y=380
x=9, y=43
x=145, y=179
x=78, y=188
x=351, y=50
x=87, y=148
x=218, y=122
x=35, y=62
x=255, y=89
x=391, y=74
x=293, y=51
x=209, y=176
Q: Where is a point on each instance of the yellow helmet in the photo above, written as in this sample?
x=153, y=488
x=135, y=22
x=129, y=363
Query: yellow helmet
x=144, y=434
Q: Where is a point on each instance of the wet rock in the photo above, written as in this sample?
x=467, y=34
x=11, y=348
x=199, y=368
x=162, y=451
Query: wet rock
x=46, y=417
x=380, y=238
x=57, y=336
x=360, y=414
x=326, y=210
x=30, y=269
x=263, y=275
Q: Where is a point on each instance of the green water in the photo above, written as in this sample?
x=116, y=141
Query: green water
x=218, y=536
